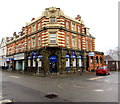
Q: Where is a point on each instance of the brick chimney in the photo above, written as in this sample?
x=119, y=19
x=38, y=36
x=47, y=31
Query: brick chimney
x=33, y=19
x=14, y=34
x=78, y=18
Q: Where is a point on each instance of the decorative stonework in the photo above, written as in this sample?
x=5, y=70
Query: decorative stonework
x=52, y=12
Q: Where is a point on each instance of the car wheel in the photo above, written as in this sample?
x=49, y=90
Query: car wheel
x=104, y=73
x=97, y=73
x=108, y=73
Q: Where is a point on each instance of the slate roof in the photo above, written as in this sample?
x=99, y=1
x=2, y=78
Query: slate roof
x=112, y=58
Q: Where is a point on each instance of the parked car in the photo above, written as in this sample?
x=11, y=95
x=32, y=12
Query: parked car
x=102, y=71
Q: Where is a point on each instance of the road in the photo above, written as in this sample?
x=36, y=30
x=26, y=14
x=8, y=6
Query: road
x=82, y=88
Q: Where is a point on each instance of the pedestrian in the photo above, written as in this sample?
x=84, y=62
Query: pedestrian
x=80, y=71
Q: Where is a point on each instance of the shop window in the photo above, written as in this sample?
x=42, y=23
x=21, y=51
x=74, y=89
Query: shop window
x=97, y=59
x=113, y=63
x=74, y=62
x=28, y=62
x=34, y=63
x=52, y=38
x=100, y=59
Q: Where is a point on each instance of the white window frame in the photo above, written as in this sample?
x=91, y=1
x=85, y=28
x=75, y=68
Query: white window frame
x=51, y=20
x=53, y=38
x=67, y=40
x=28, y=44
x=73, y=27
x=74, y=41
x=33, y=28
x=33, y=42
x=39, y=25
x=67, y=24
x=39, y=41
x=79, y=29
x=79, y=43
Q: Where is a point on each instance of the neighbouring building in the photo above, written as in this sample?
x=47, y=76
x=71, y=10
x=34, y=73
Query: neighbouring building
x=54, y=42
x=3, y=64
x=113, y=62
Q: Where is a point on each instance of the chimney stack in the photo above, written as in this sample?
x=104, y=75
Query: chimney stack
x=33, y=19
x=78, y=18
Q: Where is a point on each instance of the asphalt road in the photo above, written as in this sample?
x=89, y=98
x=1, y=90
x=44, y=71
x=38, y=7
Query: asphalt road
x=82, y=88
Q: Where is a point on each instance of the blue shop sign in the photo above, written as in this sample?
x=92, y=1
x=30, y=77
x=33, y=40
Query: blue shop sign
x=67, y=56
x=79, y=57
x=53, y=59
x=34, y=53
x=29, y=57
x=73, y=56
x=34, y=57
x=9, y=59
x=40, y=56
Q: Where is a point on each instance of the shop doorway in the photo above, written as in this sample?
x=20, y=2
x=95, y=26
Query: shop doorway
x=87, y=62
x=53, y=63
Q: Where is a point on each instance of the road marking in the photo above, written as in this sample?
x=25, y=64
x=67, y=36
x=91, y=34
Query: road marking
x=77, y=86
x=99, y=90
x=60, y=85
x=14, y=76
x=5, y=101
x=95, y=78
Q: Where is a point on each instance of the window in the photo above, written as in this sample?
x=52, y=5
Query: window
x=28, y=30
x=52, y=20
x=16, y=48
x=39, y=26
x=73, y=26
x=79, y=29
x=67, y=25
x=23, y=46
x=79, y=43
x=90, y=45
x=73, y=41
x=87, y=45
x=28, y=44
x=67, y=40
x=33, y=42
x=39, y=41
x=52, y=38
x=33, y=28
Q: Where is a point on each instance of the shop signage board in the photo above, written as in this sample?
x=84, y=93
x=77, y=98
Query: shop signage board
x=19, y=56
x=91, y=53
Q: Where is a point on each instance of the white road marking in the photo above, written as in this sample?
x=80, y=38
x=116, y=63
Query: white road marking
x=95, y=78
x=99, y=90
x=77, y=86
x=14, y=76
x=5, y=101
x=60, y=85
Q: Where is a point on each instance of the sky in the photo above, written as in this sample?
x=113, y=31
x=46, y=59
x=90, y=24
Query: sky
x=101, y=16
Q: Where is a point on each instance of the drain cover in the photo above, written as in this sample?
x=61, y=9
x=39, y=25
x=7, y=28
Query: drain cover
x=50, y=96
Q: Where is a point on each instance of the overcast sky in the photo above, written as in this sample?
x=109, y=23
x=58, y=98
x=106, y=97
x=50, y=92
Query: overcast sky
x=101, y=16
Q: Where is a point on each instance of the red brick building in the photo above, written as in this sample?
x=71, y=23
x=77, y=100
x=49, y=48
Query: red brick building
x=54, y=42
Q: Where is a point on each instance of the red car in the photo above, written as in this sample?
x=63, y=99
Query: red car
x=102, y=71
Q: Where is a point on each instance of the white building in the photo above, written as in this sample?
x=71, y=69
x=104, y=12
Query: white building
x=3, y=53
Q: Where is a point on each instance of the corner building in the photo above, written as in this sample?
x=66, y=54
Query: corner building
x=54, y=42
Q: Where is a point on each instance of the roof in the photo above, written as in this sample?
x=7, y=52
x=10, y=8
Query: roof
x=112, y=58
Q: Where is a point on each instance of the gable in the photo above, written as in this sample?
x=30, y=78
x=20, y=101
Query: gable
x=3, y=42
